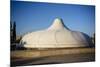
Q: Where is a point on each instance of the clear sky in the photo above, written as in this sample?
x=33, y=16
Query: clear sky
x=31, y=16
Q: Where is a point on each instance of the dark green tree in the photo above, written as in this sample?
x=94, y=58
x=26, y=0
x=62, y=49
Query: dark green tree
x=14, y=31
x=11, y=32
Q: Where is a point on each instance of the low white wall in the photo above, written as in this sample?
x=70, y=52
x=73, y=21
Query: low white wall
x=43, y=53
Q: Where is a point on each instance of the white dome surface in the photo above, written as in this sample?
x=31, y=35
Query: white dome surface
x=56, y=36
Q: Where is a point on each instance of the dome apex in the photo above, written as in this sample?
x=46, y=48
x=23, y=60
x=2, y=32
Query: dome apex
x=58, y=20
x=57, y=24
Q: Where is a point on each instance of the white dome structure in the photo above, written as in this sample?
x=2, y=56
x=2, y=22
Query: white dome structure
x=56, y=36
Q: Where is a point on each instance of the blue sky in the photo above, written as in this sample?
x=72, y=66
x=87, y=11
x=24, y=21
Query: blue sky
x=31, y=16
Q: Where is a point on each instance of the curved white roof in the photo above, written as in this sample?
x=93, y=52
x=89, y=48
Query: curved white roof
x=56, y=36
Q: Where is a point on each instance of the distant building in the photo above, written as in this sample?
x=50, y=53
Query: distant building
x=93, y=38
x=18, y=38
x=56, y=36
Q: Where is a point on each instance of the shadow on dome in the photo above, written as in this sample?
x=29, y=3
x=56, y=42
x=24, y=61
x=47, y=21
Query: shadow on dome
x=89, y=40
